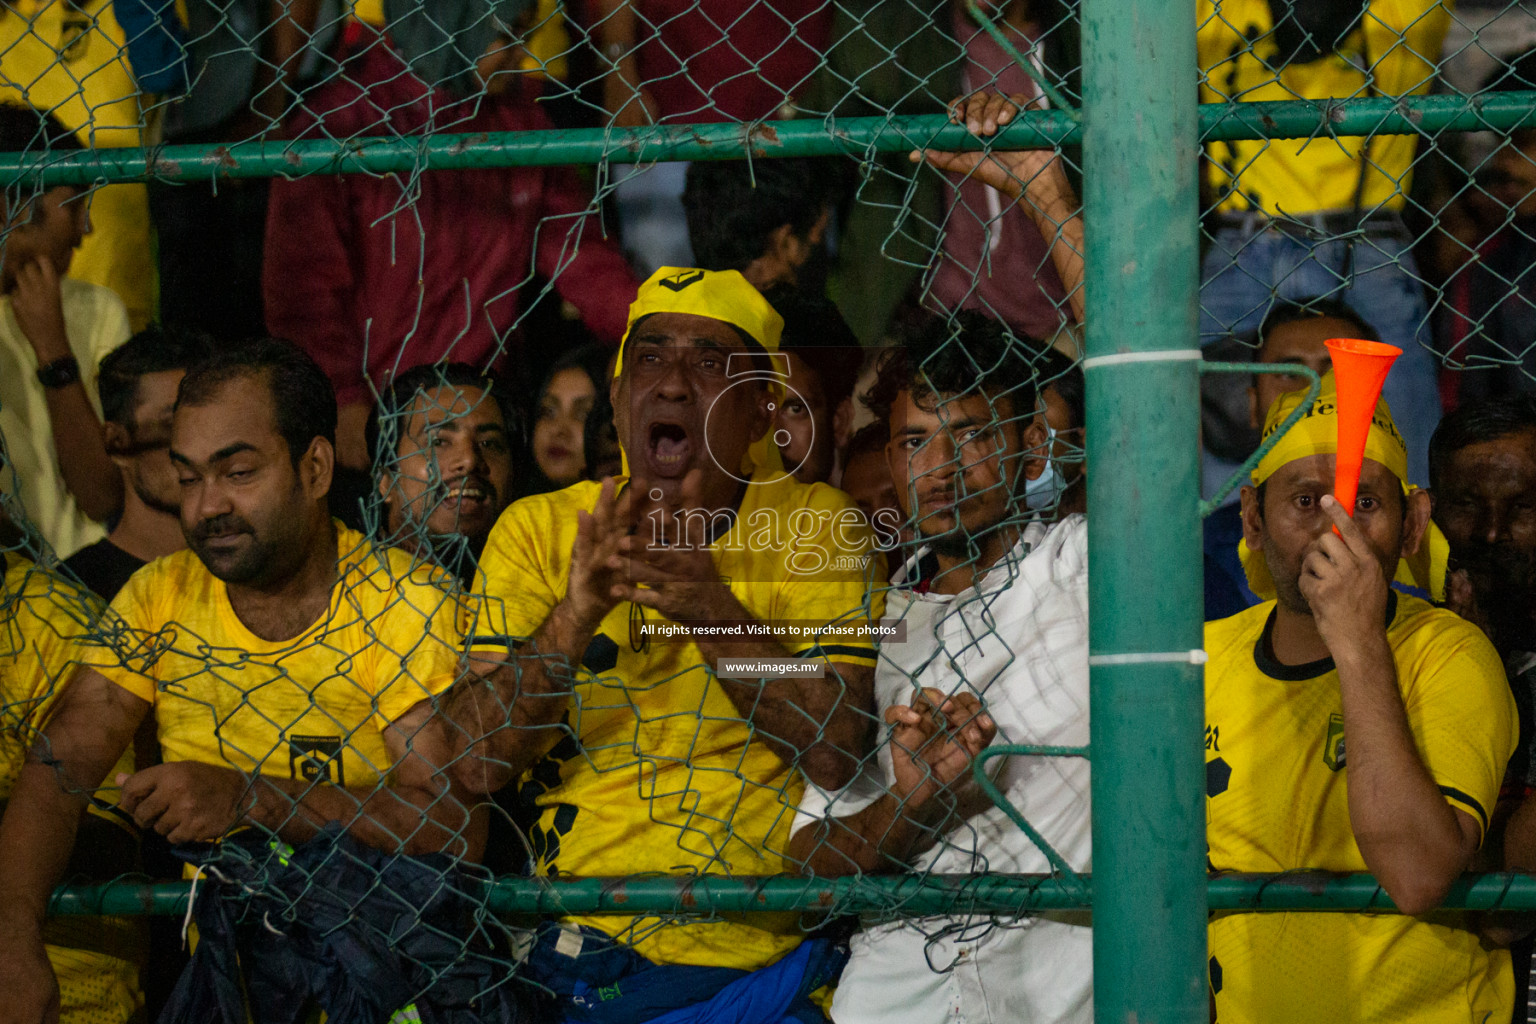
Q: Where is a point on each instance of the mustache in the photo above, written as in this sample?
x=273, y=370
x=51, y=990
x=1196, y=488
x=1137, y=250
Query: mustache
x=226, y=525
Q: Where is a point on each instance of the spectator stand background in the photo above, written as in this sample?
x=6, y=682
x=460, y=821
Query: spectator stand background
x=754, y=80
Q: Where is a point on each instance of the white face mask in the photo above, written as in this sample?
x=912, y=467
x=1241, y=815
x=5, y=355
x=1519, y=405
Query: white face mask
x=1045, y=490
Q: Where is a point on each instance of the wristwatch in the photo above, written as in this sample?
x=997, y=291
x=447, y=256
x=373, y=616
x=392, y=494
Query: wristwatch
x=60, y=373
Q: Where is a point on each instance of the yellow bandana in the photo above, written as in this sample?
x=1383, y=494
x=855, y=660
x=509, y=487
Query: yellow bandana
x=720, y=295
x=1317, y=433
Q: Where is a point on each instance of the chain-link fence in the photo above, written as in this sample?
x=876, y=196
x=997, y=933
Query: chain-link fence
x=443, y=741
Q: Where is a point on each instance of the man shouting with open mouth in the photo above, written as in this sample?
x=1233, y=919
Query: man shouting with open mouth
x=611, y=614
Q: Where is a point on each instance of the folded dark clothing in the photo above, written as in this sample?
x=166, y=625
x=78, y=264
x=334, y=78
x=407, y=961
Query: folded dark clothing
x=341, y=927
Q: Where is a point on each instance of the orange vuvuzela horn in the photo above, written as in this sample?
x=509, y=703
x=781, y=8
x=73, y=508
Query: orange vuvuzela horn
x=1359, y=370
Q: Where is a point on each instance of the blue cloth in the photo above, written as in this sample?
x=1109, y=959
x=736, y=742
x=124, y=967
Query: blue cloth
x=156, y=44
x=609, y=983
x=1226, y=585
x=1245, y=271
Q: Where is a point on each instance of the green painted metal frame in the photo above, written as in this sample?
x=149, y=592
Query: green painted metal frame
x=810, y=136
x=1142, y=380
x=894, y=895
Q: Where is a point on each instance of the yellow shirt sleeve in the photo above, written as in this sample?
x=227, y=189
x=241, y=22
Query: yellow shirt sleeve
x=417, y=643
x=127, y=648
x=518, y=585
x=1461, y=714
x=42, y=622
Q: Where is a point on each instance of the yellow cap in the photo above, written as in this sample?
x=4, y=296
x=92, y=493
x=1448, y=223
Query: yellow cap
x=718, y=294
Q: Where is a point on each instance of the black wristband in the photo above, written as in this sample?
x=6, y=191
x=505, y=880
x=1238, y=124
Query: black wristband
x=60, y=373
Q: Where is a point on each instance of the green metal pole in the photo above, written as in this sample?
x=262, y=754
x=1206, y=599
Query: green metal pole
x=1288, y=119
x=1140, y=154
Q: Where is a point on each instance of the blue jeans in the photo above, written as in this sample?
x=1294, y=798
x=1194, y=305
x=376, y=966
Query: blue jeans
x=1247, y=269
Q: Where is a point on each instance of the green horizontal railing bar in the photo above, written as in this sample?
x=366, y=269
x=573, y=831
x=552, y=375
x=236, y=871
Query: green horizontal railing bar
x=903, y=895
x=1289, y=119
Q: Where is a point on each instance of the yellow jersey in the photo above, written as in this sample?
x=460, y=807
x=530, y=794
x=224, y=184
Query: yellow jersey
x=71, y=58
x=95, y=323
x=1277, y=800
x=43, y=619
x=659, y=771
x=313, y=707
x=1398, y=40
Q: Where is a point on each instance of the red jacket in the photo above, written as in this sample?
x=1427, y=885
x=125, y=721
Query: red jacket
x=373, y=274
x=728, y=60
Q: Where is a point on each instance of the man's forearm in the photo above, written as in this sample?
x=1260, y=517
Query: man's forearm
x=1407, y=833
x=411, y=820
x=1059, y=220
x=505, y=719
x=881, y=837
x=821, y=725
x=36, y=836
x=88, y=470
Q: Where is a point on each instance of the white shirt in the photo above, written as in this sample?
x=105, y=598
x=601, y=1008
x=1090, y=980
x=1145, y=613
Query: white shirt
x=1019, y=640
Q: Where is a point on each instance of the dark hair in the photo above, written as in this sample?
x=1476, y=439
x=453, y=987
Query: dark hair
x=733, y=208
x=598, y=432
x=965, y=353
x=814, y=330
x=1055, y=370
x=155, y=349
x=1282, y=313
x=303, y=400
x=870, y=439
x=401, y=392
x=591, y=358
x=1477, y=422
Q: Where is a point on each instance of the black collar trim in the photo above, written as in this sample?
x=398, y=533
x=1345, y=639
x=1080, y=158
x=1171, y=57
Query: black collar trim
x=1264, y=651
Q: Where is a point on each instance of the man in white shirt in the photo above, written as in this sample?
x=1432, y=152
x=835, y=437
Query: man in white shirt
x=995, y=607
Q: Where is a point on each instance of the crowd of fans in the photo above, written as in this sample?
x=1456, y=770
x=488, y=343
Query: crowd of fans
x=445, y=532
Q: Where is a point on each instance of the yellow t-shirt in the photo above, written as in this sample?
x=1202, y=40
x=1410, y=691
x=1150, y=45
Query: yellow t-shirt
x=667, y=776
x=42, y=621
x=314, y=707
x=1277, y=800
x=95, y=323
x=71, y=59
x=1238, y=56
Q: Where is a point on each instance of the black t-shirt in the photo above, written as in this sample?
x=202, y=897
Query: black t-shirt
x=104, y=567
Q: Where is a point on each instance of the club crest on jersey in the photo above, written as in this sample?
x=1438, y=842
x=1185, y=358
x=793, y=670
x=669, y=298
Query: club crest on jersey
x=1333, y=745
x=316, y=759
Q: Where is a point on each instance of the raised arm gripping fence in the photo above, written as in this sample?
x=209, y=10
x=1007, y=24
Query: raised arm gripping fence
x=400, y=183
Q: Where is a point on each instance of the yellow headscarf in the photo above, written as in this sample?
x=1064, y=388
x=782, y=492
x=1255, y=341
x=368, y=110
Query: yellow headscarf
x=720, y=295
x=1317, y=433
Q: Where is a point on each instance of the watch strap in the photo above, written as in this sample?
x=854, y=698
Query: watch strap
x=60, y=373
